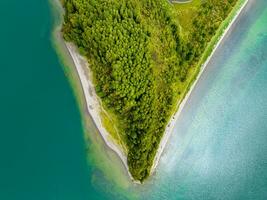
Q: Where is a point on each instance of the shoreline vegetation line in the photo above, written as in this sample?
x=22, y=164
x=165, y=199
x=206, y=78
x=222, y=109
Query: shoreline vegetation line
x=94, y=107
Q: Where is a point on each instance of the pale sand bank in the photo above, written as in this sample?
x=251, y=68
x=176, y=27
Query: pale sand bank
x=93, y=102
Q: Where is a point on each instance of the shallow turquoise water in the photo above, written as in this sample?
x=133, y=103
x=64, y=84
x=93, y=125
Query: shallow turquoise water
x=218, y=149
x=219, y=146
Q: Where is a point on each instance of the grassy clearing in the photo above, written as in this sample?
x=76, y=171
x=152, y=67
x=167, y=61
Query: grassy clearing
x=194, y=71
x=110, y=123
x=186, y=13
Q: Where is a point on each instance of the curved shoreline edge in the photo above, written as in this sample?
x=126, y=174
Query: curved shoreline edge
x=70, y=57
x=175, y=116
x=93, y=103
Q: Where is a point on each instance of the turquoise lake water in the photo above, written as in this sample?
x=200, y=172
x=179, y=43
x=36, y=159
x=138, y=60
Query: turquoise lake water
x=218, y=149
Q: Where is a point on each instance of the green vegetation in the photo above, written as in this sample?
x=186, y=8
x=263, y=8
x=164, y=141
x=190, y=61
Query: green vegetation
x=144, y=55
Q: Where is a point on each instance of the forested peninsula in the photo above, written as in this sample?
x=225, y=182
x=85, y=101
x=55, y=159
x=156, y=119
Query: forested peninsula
x=144, y=55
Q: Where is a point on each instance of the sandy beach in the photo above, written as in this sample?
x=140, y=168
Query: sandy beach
x=94, y=105
x=93, y=102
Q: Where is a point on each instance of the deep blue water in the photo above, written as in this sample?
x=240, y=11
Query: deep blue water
x=218, y=149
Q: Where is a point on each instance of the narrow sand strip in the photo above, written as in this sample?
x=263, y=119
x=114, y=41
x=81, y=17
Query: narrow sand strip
x=170, y=126
x=93, y=102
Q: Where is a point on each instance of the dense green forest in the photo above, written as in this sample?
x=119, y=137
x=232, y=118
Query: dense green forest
x=141, y=58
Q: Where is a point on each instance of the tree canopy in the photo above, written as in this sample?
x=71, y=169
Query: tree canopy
x=139, y=59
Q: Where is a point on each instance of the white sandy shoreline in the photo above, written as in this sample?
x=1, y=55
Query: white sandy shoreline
x=92, y=101
x=170, y=126
x=94, y=106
